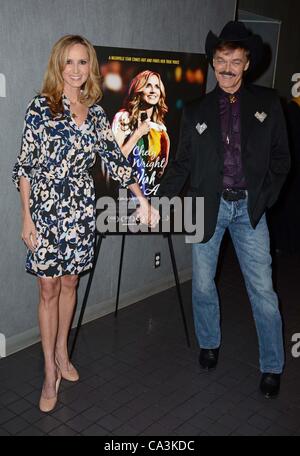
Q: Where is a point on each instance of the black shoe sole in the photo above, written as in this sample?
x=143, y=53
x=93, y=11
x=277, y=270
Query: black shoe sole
x=206, y=368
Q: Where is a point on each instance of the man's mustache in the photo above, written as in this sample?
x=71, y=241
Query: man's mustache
x=227, y=73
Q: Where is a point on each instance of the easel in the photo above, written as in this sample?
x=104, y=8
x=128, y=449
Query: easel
x=98, y=242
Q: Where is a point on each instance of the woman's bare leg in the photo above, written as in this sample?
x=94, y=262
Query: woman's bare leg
x=48, y=318
x=67, y=302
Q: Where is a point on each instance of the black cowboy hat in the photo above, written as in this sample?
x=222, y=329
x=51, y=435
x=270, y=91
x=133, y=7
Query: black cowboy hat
x=236, y=31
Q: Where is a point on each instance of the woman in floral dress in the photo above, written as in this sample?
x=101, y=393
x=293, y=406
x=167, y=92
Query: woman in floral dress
x=64, y=130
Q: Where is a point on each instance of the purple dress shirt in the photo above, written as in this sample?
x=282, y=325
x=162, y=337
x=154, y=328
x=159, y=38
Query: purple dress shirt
x=230, y=113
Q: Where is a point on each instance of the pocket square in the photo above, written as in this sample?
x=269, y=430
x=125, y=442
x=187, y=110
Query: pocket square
x=201, y=128
x=261, y=116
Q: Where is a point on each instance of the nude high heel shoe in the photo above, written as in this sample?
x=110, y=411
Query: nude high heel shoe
x=70, y=374
x=47, y=405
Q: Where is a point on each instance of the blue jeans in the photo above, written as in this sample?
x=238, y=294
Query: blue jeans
x=252, y=247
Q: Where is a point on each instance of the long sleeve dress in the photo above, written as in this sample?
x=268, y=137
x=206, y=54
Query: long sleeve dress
x=55, y=157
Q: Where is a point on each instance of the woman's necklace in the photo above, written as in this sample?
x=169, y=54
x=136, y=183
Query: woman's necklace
x=73, y=113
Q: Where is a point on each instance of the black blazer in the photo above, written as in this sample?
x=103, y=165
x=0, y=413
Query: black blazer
x=265, y=153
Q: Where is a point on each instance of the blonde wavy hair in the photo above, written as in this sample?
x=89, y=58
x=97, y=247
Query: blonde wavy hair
x=53, y=82
x=133, y=101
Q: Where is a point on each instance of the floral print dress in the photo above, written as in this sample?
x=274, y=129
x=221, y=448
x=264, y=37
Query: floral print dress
x=55, y=157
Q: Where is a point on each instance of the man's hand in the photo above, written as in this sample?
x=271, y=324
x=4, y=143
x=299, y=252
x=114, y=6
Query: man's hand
x=147, y=214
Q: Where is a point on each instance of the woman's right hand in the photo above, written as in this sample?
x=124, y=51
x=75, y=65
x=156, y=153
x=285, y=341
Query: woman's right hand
x=28, y=234
x=144, y=128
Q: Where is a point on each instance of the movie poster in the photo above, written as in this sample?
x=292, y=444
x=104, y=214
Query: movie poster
x=143, y=95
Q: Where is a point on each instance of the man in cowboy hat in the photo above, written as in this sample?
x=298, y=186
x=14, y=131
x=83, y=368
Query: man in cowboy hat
x=233, y=145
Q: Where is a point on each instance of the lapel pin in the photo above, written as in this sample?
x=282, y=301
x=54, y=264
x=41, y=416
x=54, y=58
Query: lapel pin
x=261, y=116
x=201, y=128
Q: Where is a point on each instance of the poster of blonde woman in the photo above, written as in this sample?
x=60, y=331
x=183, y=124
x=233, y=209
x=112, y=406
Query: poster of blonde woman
x=143, y=95
x=140, y=130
